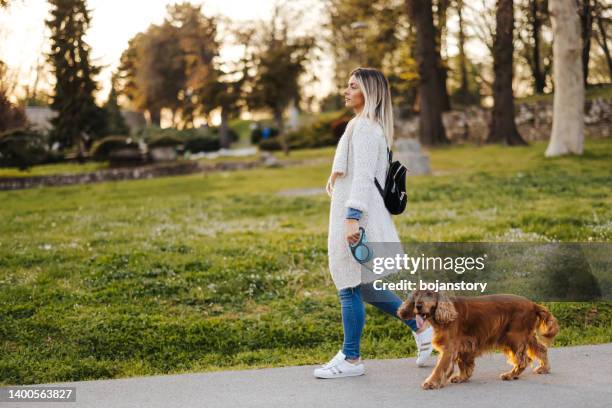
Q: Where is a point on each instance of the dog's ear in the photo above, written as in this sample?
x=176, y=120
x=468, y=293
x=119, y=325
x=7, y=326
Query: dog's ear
x=445, y=309
x=406, y=310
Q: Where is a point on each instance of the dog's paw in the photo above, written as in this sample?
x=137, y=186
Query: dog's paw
x=542, y=370
x=431, y=385
x=455, y=379
x=509, y=376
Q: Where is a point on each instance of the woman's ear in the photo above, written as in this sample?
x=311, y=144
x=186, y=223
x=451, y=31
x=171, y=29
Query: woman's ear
x=445, y=309
x=406, y=310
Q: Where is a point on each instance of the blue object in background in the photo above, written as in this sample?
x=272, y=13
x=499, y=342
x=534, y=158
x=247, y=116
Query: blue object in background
x=265, y=133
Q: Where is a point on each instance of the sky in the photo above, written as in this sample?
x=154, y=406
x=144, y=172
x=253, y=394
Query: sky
x=23, y=35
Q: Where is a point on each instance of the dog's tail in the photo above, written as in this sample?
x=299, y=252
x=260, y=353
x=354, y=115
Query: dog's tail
x=547, y=327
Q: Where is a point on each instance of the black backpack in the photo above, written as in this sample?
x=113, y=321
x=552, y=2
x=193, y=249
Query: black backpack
x=394, y=193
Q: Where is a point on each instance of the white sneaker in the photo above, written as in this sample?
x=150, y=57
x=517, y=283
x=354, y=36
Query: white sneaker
x=338, y=367
x=338, y=357
x=424, y=346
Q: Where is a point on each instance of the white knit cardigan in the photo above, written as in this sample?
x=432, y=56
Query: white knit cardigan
x=360, y=156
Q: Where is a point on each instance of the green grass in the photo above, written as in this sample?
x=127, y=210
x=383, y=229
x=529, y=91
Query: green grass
x=51, y=169
x=216, y=271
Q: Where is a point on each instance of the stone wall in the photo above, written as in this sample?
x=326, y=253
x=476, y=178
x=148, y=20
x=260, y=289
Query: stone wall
x=534, y=121
x=40, y=118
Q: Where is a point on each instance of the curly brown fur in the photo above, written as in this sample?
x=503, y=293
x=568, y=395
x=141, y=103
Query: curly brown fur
x=466, y=327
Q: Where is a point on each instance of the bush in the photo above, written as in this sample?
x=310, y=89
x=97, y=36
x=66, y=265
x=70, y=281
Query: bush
x=332, y=102
x=202, y=144
x=320, y=134
x=257, y=134
x=270, y=145
x=22, y=148
x=338, y=126
x=204, y=139
x=126, y=156
x=11, y=116
x=103, y=148
x=166, y=141
x=232, y=134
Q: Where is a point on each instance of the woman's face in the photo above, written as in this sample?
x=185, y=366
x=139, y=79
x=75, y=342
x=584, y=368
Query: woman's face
x=353, y=98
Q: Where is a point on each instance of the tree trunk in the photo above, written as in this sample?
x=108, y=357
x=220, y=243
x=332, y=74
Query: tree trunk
x=442, y=8
x=280, y=125
x=431, y=104
x=503, y=128
x=80, y=148
x=155, y=116
x=444, y=97
x=568, y=107
x=463, y=88
x=603, y=42
x=586, y=24
x=223, y=130
x=538, y=76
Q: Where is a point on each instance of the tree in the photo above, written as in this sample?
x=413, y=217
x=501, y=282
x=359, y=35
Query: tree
x=363, y=33
x=227, y=90
x=115, y=122
x=568, y=110
x=602, y=34
x=440, y=18
x=373, y=33
x=585, y=10
x=168, y=65
x=534, y=18
x=427, y=57
x=280, y=63
x=199, y=47
x=11, y=116
x=152, y=71
x=463, y=88
x=503, y=128
x=73, y=97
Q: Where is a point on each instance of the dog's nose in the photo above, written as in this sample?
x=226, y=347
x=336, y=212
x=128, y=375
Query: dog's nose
x=419, y=306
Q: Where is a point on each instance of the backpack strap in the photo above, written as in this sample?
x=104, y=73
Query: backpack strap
x=380, y=189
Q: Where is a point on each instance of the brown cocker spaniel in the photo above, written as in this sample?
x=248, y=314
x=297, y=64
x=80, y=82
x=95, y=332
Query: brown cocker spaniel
x=465, y=327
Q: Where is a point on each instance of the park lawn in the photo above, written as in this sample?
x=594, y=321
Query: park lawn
x=216, y=271
x=52, y=169
x=75, y=168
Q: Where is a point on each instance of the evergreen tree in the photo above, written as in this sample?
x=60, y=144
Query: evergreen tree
x=73, y=98
x=115, y=122
x=280, y=63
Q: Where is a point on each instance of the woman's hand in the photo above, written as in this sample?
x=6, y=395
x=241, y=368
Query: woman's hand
x=329, y=187
x=330, y=183
x=352, y=231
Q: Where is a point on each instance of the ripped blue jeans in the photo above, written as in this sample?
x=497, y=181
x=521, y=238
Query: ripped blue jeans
x=353, y=313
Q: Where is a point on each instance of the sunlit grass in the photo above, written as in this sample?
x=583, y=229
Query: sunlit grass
x=55, y=168
x=214, y=271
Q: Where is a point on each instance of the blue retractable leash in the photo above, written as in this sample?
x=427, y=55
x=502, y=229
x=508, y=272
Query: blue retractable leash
x=361, y=252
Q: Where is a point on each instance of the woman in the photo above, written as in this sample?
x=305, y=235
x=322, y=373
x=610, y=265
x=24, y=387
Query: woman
x=360, y=156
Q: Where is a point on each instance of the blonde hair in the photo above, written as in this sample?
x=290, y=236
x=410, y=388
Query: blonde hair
x=377, y=99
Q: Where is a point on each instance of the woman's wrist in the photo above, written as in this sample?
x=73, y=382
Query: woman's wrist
x=353, y=214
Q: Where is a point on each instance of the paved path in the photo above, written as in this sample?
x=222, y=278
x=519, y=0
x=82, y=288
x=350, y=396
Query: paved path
x=581, y=378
